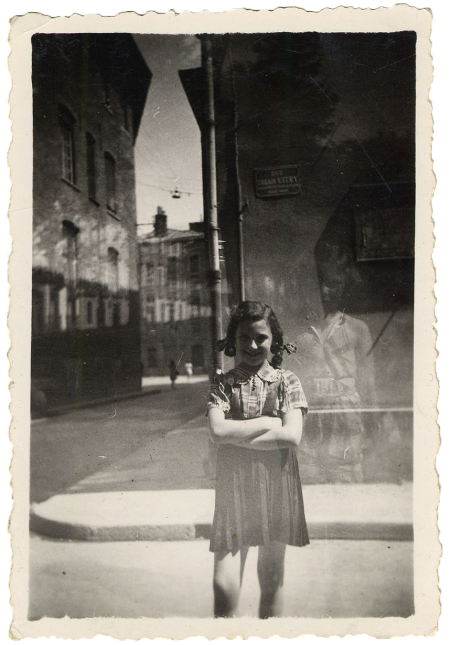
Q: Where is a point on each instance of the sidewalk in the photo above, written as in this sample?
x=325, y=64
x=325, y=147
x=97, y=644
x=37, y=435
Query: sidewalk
x=347, y=511
x=164, y=491
x=153, y=381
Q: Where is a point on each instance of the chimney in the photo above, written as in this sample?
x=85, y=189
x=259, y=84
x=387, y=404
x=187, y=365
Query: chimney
x=160, y=222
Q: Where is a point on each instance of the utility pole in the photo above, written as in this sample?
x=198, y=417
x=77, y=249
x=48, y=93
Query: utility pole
x=198, y=84
x=240, y=207
x=212, y=220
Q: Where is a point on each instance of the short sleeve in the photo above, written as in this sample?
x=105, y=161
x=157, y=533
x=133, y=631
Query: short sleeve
x=217, y=396
x=292, y=395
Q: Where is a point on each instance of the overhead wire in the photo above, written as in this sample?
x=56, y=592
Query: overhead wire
x=170, y=190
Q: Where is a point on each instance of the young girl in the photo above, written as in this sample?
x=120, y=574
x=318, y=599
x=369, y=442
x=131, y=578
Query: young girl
x=255, y=416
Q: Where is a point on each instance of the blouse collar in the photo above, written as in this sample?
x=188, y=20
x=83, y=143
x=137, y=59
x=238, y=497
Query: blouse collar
x=266, y=373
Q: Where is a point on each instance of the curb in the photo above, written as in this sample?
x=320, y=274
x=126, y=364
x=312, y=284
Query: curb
x=67, y=531
x=188, y=532
x=333, y=513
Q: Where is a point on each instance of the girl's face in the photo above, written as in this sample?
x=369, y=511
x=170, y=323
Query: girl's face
x=253, y=342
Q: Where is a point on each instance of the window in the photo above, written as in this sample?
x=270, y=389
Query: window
x=116, y=314
x=110, y=170
x=195, y=303
x=113, y=270
x=70, y=235
x=162, y=277
x=194, y=265
x=101, y=313
x=172, y=269
x=67, y=124
x=89, y=312
x=149, y=274
x=53, y=310
x=91, y=166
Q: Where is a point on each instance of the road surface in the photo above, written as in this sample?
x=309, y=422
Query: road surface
x=68, y=448
x=328, y=578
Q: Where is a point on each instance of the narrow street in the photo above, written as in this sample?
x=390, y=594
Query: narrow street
x=68, y=448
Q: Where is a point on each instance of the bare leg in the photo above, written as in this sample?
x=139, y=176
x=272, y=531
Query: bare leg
x=228, y=572
x=271, y=575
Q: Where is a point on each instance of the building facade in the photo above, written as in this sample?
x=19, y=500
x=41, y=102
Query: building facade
x=175, y=300
x=89, y=92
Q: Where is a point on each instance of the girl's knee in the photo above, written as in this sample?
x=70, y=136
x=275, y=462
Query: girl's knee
x=271, y=569
x=225, y=585
x=270, y=581
x=226, y=596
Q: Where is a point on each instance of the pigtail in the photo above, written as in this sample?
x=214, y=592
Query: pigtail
x=227, y=346
x=221, y=344
x=277, y=359
x=278, y=350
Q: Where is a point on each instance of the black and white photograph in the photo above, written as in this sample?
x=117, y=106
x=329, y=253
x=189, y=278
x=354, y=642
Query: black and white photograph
x=224, y=330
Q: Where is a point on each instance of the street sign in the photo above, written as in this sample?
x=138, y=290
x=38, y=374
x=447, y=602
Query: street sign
x=278, y=181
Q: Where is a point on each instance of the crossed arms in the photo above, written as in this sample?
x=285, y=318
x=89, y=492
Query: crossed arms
x=261, y=433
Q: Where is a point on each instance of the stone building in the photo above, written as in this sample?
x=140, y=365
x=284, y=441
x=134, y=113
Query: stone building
x=175, y=300
x=89, y=92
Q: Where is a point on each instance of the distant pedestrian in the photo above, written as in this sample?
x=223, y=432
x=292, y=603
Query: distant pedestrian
x=255, y=414
x=173, y=372
x=189, y=369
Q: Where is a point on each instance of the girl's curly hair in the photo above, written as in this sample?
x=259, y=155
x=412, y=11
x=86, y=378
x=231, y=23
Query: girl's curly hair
x=253, y=311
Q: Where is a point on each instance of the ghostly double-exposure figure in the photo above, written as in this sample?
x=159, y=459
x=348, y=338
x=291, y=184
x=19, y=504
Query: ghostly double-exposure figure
x=337, y=369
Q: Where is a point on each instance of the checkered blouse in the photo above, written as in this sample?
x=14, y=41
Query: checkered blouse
x=269, y=392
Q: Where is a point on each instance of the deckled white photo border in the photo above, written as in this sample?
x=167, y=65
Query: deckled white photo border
x=425, y=486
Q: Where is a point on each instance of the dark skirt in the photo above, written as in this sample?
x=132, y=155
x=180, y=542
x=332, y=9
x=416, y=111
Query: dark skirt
x=258, y=499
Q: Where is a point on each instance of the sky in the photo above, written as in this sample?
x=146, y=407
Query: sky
x=167, y=151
